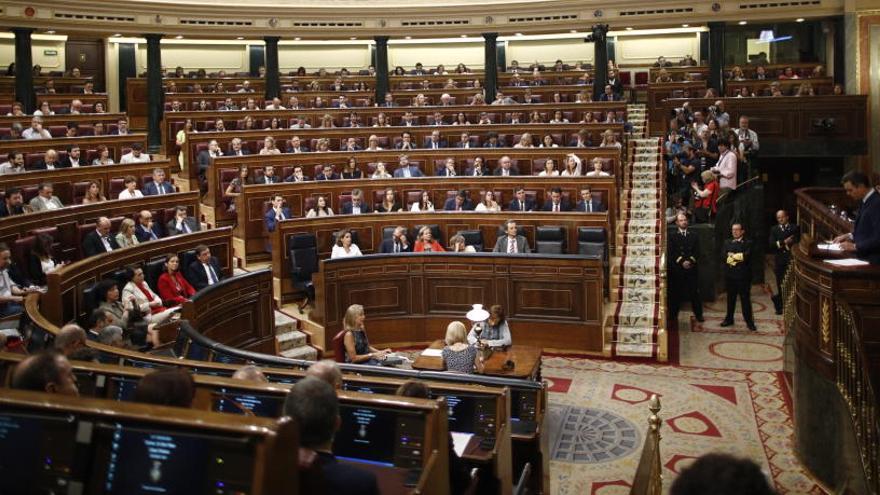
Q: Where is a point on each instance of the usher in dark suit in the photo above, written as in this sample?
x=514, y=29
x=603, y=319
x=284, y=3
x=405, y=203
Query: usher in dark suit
x=684, y=283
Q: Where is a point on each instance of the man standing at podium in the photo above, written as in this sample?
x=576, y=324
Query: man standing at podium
x=783, y=236
x=738, y=275
x=864, y=240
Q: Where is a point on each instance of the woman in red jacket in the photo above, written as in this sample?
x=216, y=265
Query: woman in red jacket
x=172, y=286
x=426, y=241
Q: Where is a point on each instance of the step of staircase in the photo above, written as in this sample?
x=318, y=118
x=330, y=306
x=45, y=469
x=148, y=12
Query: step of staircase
x=307, y=353
x=291, y=339
x=284, y=323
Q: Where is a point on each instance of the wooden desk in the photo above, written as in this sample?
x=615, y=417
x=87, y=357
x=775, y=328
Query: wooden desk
x=115, y=143
x=526, y=358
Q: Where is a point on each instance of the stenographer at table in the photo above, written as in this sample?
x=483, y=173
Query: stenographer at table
x=495, y=331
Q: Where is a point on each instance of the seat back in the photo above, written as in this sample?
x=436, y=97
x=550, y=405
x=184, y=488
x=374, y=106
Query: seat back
x=435, y=232
x=550, y=239
x=303, y=251
x=591, y=242
x=339, y=347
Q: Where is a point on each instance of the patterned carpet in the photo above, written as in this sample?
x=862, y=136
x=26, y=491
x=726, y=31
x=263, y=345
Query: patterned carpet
x=728, y=394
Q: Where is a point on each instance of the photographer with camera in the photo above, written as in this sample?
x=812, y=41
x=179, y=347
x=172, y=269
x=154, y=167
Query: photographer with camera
x=748, y=145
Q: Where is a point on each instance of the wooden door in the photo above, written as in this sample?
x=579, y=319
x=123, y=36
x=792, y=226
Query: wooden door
x=88, y=55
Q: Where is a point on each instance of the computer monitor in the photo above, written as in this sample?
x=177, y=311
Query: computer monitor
x=369, y=388
x=471, y=413
x=38, y=452
x=381, y=436
x=130, y=459
x=122, y=389
x=239, y=401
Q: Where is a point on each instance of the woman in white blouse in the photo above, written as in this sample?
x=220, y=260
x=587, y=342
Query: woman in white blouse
x=380, y=172
x=131, y=191
x=525, y=141
x=145, y=298
x=321, y=209
x=488, y=204
x=547, y=142
x=572, y=166
x=125, y=237
x=424, y=204
x=269, y=147
x=597, y=169
x=344, y=248
x=549, y=169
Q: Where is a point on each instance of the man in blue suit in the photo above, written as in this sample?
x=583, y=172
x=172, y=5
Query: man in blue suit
x=406, y=170
x=461, y=202
x=159, y=184
x=276, y=213
x=146, y=229
x=588, y=203
x=864, y=241
x=557, y=202
x=521, y=202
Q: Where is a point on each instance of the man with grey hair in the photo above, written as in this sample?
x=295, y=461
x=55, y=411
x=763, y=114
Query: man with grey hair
x=250, y=373
x=328, y=371
x=36, y=130
x=111, y=335
x=70, y=338
x=99, y=240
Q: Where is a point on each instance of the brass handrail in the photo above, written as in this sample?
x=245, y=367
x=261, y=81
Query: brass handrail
x=649, y=475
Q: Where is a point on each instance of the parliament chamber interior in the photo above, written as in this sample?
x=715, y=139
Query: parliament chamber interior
x=448, y=247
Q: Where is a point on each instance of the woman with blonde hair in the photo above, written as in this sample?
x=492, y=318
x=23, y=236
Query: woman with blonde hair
x=457, y=244
x=572, y=166
x=458, y=355
x=525, y=141
x=93, y=194
x=269, y=147
x=125, y=237
x=426, y=242
x=345, y=247
x=357, y=346
x=609, y=140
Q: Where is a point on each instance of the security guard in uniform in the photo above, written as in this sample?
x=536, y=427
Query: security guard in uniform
x=783, y=236
x=683, y=250
x=738, y=275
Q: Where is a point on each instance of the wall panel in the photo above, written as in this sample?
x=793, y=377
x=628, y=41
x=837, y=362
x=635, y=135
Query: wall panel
x=644, y=50
x=228, y=57
x=433, y=54
x=546, y=52
x=314, y=57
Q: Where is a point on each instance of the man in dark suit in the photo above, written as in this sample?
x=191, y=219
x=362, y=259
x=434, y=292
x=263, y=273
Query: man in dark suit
x=313, y=404
x=350, y=145
x=511, y=243
x=588, y=203
x=205, y=270
x=296, y=146
x=206, y=157
x=582, y=140
x=159, y=185
x=478, y=169
x=182, y=223
x=461, y=202
x=146, y=229
x=327, y=173
x=783, y=236
x=268, y=176
x=74, y=158
x=615, y=83
x=398, y=243
x=99, y=240
x=557, y=202
x=609, y=94
x=864, y=241
x=521, y=202
x=406, y=142
x=13, y=203
x=50, y=162
x=406, y=170
x=683, y=251
x=389, y=101
x=235, y=148
x=357, y=205
x=448, y=168
x=493, y=141
x=505, y=167
x=434, y=142
x=738, y=275
x=276, y=213
x=297, y=175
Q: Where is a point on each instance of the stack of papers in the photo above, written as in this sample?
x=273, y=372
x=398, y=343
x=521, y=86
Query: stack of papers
x=460, y=441
x=432, y=353
x=830, y=246
x=847, y=262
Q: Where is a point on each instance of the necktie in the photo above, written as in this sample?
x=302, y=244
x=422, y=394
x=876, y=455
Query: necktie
x=185, y=228
x=555, y=207
x=589, y=207
x=396, y=247
x=107, y=244
x=212, y=277
x=152, y=235
x=4, y=283
x=161, y=189
x=522, y=206
x=511, y=245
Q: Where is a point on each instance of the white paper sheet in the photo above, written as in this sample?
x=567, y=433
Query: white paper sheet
x=460, y=441
x=432, y=353
x=847, y=262
x=830, y=246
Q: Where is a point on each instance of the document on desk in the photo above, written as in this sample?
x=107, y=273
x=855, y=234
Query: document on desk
x=432, y=353
x=847, y=262
x=831, y=246
x=460, y=441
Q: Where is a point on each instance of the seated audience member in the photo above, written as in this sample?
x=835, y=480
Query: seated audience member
x=158, y=185
x=525, y=141
x=389, y=203
x=70, y=338
x=93, y=194
x=146, y=229
x=204, y=270
x=549, y=169
x=251, y=373
x=426, y=242
x=313, y=404
x=488, y=204
x=406, y=142
x=344, y=247
x=172, y=387
x=547, y=142
x=45, y=199
x=276, y=213
x=296, y=176
x=47, y=371
x=357, y=205
x=145, y=298
x=40, y=259
x=74, y=158
x=609, y=140
x=98, y=320
x=573, y=165
x=136, y=155
x=478, y=169
x=357, y=346
x=206, y=157
x=424, y=204
x=269, y=176
x=182, y=223
x=321, y=209
x=118, y=311
x=13, y=203
x=461, y=202
x=457, y=244
x=397, y=243
x=512, y=243
x=327, y=371
x=505, y=168
x=556, y=203
x=173, y=287
x=350, y=170
x=458, y=355
x=327, y=173
x=609, y=94
x=597, y=169
x=14, y=163
x=520, y=202
x=722, y=474
x=131, y=191
x=36, y=130
x=49, y=162
x=99, y=240
x=587, y=203
x=496, y=332
x=296, y=146
x=448, y=169
x=103, y=157
x=406, y=169
x=493, y=141
x=582, y=140
x=435, y=141
x=705, y=199
x=12, y=285
x=126, y=236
